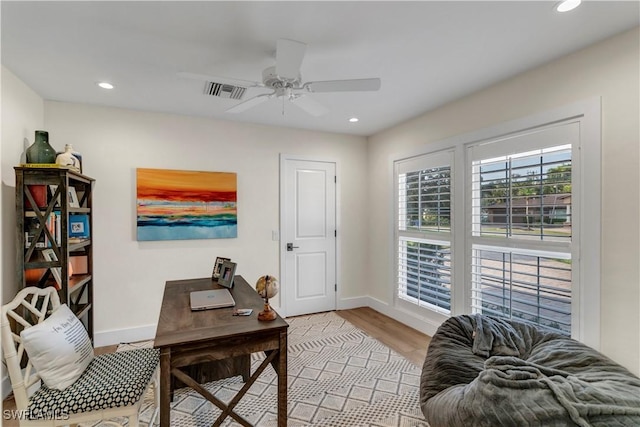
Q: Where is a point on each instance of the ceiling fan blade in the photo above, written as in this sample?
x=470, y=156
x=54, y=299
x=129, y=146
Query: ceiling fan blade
x=220, y=79
x=310, y=105
x=250, y=103
x=289, y=55
x=355, y=85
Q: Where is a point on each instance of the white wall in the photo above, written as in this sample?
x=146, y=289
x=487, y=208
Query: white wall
x=130, y=275
x=609, y=70
x=22, y=113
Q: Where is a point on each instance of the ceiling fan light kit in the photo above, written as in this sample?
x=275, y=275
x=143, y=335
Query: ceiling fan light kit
x=285, y=82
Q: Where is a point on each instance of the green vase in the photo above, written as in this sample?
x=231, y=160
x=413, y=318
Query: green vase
x=40, y=151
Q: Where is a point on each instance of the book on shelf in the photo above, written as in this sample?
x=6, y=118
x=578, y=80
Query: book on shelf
x=74, y=240
x=49, y=166
x=32, y=226
x=31, y=229
x=39, y=194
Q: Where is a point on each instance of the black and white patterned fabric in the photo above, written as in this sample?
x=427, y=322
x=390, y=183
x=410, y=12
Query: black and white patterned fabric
x=110, y=381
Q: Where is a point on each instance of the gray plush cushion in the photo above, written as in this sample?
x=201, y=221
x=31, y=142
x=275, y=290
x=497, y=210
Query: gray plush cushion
x=485, y=371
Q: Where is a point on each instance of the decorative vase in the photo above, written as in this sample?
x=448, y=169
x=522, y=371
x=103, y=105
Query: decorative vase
x=79, y=157
x=67, y=158
x=40, y=151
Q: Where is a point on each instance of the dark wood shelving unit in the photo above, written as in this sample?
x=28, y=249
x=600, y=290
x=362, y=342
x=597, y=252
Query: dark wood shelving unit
x=43, y=227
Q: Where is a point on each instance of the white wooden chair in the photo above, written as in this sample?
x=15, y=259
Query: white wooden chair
x=112, y=386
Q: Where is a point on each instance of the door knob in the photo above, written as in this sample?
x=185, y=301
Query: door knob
x=290, y=247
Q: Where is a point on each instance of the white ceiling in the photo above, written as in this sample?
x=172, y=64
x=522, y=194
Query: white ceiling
x=426, y=53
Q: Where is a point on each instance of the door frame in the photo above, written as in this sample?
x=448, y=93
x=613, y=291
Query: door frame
x=282, y=244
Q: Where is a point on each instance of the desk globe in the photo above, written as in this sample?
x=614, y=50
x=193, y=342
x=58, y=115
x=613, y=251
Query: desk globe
x=267, y=287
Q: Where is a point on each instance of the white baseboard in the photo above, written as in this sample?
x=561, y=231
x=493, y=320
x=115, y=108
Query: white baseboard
x=419, y=323
x=353, y=302
x=117, y=336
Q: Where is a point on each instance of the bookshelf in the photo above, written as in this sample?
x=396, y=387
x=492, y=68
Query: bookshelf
x=54, y=245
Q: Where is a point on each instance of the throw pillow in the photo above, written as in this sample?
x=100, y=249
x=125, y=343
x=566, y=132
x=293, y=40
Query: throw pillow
x=59, y=348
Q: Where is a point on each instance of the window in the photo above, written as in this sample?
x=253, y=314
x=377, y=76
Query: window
x=424, y=226
x=521, y=198
x=531, y=287
x=500, y=224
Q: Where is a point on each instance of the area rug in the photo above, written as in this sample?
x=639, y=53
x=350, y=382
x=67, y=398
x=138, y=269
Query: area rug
x=337, y=376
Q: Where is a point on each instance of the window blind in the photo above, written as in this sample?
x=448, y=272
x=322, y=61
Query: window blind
x=521, y=227
x=425, y=199
x=424, y=230
x=523, y=286
x=424, y=273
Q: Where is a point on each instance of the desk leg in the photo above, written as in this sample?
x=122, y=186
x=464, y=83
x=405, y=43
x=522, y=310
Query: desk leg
x=165, y=387
x=282, y=380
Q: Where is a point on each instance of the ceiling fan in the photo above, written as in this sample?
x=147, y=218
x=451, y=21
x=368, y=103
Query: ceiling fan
x=285, y=82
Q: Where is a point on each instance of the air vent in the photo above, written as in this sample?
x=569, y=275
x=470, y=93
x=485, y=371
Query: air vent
x=224, y=90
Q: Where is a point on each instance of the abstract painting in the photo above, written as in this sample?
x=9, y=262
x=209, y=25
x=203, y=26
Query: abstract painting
x=180, y=205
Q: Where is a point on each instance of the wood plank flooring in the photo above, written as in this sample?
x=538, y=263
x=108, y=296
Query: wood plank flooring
x=397, y=336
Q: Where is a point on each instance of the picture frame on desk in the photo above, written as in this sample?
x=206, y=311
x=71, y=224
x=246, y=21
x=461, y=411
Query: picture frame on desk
x=227, y=273
x=215, y=275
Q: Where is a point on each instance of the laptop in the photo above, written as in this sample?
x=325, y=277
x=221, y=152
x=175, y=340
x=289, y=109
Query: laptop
x=214, y=298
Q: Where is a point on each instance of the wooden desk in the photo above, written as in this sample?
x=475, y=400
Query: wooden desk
x=187, y=337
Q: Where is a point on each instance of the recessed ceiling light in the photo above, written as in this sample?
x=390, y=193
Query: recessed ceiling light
x=353, y=119
x=105, y=85
x=568, y=5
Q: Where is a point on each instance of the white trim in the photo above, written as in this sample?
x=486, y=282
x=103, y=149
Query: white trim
x=420, y=323
x=352, y=302
x=282, y=253
x=590, y=219
x=126, y=335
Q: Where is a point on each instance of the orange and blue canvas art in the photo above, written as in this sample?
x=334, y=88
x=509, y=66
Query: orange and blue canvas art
x=180, y=205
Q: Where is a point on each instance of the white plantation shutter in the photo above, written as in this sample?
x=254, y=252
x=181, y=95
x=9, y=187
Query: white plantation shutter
x=532, y=287
x=505, y=221
x=423, y=233
x=521, y=227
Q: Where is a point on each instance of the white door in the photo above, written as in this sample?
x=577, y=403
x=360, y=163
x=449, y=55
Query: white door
x=308, y=235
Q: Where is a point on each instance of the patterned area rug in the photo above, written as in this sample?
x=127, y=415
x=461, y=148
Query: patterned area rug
x=338, y=376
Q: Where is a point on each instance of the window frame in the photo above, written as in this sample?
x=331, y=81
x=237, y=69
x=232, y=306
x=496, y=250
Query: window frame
x=411, y=164
x=586, y=219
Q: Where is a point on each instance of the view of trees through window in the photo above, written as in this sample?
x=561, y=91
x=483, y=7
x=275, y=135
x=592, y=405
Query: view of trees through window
x=428, y=199
x=526, y=195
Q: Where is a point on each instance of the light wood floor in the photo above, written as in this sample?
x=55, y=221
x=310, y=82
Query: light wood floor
x=397, y=336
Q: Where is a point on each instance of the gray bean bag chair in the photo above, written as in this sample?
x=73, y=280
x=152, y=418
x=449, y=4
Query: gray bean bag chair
x=485, y=371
